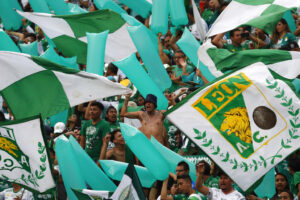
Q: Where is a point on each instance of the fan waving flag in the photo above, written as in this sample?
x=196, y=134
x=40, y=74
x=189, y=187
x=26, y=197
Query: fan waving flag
x=32, y=85
x=246, y=121
x=263, y=14
x=24, y=159
x=68, y=32
x=220, y=61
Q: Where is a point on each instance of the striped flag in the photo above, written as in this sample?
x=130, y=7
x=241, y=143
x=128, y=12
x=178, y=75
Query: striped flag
x=247, y=121
x=68, y=32
x=220, y=61
x=33, y=85
x=263, y=14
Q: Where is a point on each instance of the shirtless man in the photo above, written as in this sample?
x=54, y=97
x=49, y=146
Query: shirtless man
x=120, y=152
x=151, y=119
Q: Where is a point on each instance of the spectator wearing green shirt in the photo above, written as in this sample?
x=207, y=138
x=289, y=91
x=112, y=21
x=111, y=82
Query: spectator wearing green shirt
x=93, y=131
x=236, y=41
x=282, y=35
x=294, y=168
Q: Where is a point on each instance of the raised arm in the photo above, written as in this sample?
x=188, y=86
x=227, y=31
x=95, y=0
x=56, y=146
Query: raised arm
x=124, y=113
x=199, y=181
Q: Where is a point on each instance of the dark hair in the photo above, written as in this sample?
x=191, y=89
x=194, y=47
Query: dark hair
x=179, y=51
x=275, y=35
x=206, y=166
x=98, y=104
x=113, y=68
x=185, y=177
x=231, y=33
x=287, y=187
x=112, y=134
x=289, y=192
x=294, y=164
x=185, y=165
x=2, y=117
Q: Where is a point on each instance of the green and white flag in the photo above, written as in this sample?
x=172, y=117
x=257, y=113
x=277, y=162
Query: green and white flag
x=130, y=186
x=263, y=14
x=33, y=85
x=23, y=155
x=220, y=61
x=68, y=32
x=85, y=194
x=247, y=122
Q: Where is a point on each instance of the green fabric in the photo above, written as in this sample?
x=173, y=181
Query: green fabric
x=171, y=129
x=47, y=196
x=80, y=195
x=72, y=47
x=4, y=185
x=287, y=38
x=129, y=156
x=131, y=172
x=255, y=2
x=49, y=65
x=295, y=182
x=213, y=18
x=226, y=60
x=38, y=89
x=212, y=182
x=94, y=22
x=268, y=19
x=180, y=197
x=178, y=70
x=233, y=48
x=93, y=137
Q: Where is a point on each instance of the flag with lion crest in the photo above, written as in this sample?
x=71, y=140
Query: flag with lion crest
x=246, y=121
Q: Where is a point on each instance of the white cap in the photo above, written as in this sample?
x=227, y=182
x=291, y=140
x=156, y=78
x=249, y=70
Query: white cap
x=59, y=127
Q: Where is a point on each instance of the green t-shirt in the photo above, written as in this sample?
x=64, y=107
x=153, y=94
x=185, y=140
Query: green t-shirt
x=196, y=196
x=178, y=70
x=180, y=197
x=212, y=182
x=114, y=126
x=287, y=38
x=93, y=137
x=207, y=14
x=233, y=48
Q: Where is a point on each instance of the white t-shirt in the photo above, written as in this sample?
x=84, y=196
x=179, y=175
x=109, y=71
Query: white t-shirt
x=9, y=194
x=217, y=194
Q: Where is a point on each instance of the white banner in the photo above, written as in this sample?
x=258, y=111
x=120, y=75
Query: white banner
x=23, y=155
x=246, y=122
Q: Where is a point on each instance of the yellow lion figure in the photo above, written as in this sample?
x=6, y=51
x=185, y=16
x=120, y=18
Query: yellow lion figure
x=237, y=122
x=6, y=145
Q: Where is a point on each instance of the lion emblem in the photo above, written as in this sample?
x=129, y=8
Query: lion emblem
x=237, y=122
x=8, y=146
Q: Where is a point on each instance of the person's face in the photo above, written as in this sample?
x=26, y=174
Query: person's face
x=280, y=182
x=180, y=171
x=258, y=32
x=73, y=118
x=237, y=37
x=284, y=196
x=112, y=115
x=225, y=182
x=183, y=186
x=149, y=106
x=166, y=42
x=95, y=112
x=77, y=134
x=118, y=139
x=177, y=57
x=174, y=189
x=141, y=101
x=280, y=27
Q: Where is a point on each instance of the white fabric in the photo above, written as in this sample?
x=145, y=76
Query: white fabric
x=201, y=25
x=11, y=71
x=217, y=194
x=234, y=15
x=79, y=90
x=52, y=27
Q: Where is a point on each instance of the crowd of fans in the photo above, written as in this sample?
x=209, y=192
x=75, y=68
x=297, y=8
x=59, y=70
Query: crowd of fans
x=95, y=125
